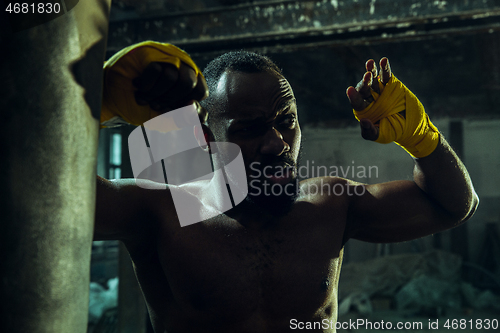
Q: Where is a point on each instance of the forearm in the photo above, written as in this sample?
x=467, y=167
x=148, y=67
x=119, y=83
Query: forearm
x=444, y=178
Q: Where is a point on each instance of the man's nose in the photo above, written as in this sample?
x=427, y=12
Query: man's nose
x=274, y=143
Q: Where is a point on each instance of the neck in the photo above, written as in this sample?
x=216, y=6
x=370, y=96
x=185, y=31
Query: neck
x=251, y=215
x=253, y=212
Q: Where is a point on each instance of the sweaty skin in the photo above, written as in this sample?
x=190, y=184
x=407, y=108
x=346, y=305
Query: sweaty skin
x=251, y=271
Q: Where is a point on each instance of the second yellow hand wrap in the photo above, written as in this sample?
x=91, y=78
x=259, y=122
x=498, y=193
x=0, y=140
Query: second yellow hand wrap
x=118, y=104
x=414, y=131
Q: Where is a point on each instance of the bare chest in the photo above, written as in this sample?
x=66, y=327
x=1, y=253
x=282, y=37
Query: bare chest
x=289, y=270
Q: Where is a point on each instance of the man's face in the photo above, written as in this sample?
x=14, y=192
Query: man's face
x=259, y=114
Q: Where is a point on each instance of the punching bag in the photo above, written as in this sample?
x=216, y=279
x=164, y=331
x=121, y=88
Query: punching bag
x=50, y=88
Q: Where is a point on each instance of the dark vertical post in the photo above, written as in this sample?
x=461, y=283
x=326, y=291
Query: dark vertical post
x=50, y=90
x=459, y=240
x=131, y=306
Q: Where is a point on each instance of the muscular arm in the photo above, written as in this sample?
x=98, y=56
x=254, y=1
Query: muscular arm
x=125, y=211
x=440, y=197
x=444, y=178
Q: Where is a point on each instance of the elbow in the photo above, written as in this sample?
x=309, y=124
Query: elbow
x=469, y=209
x=473, y=206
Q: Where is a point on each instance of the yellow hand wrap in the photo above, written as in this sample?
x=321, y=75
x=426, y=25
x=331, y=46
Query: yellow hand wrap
x=118, y=103
x=414, y=132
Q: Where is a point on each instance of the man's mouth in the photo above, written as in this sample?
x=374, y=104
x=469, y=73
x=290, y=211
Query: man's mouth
x=282, y=175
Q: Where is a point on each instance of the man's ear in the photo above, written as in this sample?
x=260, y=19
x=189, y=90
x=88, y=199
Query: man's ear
x=204, y=136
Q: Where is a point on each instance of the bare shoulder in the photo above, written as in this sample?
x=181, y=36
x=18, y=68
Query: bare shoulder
x=142, y=192
x=127, y=209
x=329, y=200
x=331, y=196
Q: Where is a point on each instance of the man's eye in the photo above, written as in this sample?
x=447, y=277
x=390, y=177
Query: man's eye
x=289, y=122
x=248, y=129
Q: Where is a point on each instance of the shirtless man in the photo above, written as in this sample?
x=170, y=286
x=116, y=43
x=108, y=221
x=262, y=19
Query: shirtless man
x=271, y=259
